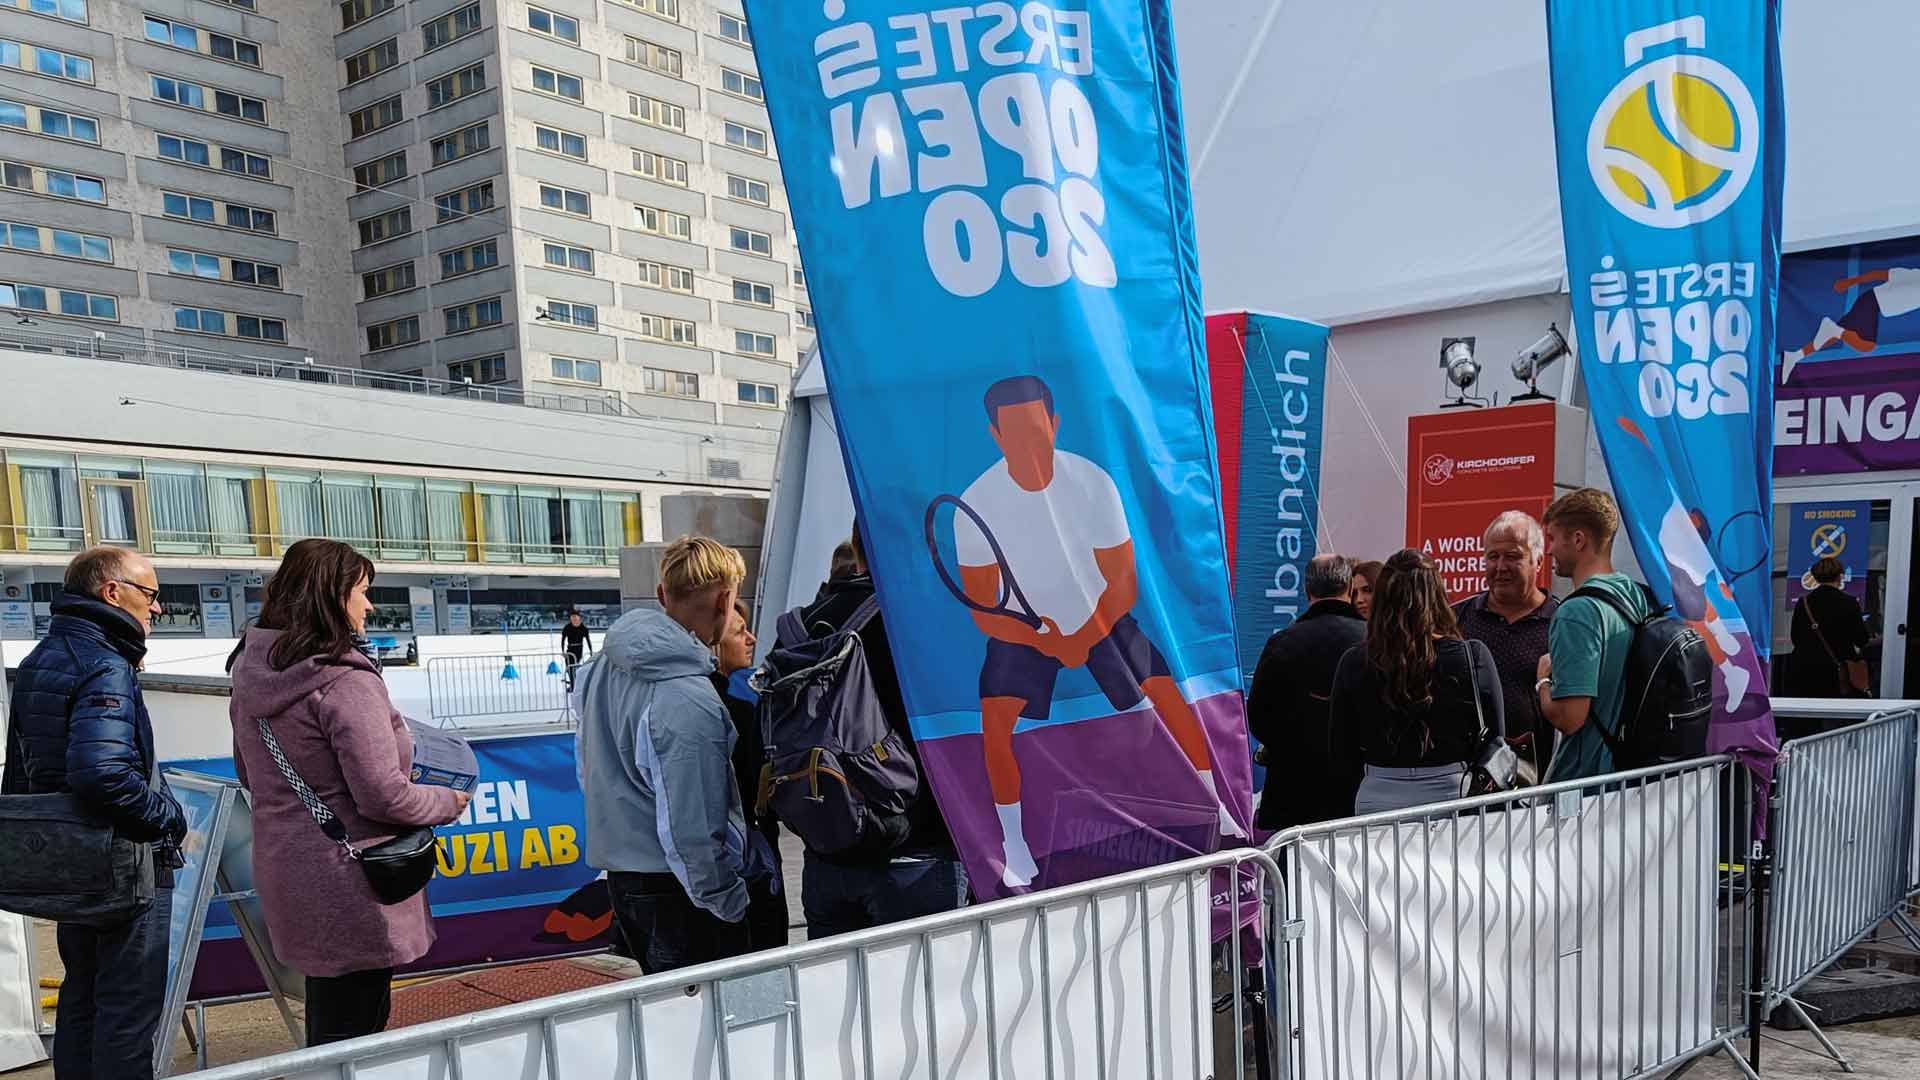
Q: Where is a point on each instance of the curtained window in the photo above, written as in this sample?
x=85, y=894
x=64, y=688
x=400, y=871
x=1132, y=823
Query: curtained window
x=230, y=508
x=500, y=519
x=297, y=502
x=50, y=497
x=350, y=512
x=177, y=499
x=586, y=536
x=403, y=517
x=542, y=524
x=447, y=519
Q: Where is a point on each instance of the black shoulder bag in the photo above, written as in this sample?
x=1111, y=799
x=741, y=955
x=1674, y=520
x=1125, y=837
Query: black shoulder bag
x=1495, y=767
x=397, y=869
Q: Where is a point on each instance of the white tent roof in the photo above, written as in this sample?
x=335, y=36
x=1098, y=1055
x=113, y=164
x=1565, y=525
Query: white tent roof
x=1371, y=158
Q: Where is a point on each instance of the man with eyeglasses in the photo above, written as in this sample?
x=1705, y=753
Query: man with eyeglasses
x=79, y=726
x=1512, y=618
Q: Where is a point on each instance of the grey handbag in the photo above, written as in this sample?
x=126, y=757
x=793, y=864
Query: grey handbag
x=60, y=860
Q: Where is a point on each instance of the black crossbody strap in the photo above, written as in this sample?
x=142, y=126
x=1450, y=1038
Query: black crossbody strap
x=322, y=816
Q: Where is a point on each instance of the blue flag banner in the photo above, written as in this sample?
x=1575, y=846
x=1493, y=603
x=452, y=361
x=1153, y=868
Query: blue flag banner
x=993, y=208
x=1670, y=132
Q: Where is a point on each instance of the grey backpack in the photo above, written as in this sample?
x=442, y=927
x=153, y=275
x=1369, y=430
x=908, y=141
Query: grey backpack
x=834, y=764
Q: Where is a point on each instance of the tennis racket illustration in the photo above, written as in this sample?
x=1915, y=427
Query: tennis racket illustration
x=1011, y=602
x=1743, y=545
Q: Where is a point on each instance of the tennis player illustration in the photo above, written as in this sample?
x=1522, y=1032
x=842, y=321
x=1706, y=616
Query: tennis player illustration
x=1046, y=563
x=1684, y=535
x=1895, y=291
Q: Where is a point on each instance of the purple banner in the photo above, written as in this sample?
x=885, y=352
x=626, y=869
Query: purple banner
x=1849, y=393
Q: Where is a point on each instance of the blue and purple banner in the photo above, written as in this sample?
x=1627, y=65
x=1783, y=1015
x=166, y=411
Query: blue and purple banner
x=993, y=209
x=1670, y=131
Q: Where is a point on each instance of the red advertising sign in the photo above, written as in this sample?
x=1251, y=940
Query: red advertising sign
x=1464, y=468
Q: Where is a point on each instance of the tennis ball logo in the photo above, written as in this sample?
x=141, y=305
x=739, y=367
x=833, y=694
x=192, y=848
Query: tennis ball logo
x=1675, y=142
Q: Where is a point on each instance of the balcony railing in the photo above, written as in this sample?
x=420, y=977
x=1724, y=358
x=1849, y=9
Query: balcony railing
x=102, y=345
x=164, y=543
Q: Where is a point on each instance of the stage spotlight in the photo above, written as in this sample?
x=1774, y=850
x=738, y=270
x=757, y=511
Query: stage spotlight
x=1462, y=372
x=1533, y=359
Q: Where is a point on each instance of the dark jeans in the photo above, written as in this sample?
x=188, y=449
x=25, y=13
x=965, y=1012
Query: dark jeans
x=341, y=1007
x=110, y=1000
x=766, y=915
x=667, y=930
x=840, y=899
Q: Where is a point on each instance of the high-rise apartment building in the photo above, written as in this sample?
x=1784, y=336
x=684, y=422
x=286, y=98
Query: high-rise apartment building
x=574, y=197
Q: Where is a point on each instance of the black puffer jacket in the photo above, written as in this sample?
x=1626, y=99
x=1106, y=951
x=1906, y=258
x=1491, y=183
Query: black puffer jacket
x=78, y=723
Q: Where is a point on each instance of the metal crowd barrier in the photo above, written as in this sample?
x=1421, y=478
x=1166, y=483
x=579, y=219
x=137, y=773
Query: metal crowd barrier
x=1583, y=929
x=500, y=687
x=1843, y=812
x=1108, y=978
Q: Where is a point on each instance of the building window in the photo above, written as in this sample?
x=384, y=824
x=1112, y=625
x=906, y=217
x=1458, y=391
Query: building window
x=56, y=182
x=52, y=240
x=568, y=313
x=49, y=121
x=381, y=171
x=455, y=85
x=658, y=57
x=660, y=114
x=556, y=141
x=660, y=222
x=804, y=316
x=475, y=316
x=70, y=302
x=665, y=9
x=70, y=10
x=392, y=335
x=239, y=106
x=741, y=84
x=379, y=115
x=567, y=257
x=355, y=12
x=214, y=212
x=735, y=29
x=219, y=46
x=40, y=60
x=450, y=27
x=239, y=161
x=462, y=203
x=673, y=383
x=752, y=292
x=480, y=369
x=228, y=324
x=470, y=259
x=223, y=268
x=558, y=83
x=576, y=370
x=455, y=145
x=553, y=24
x=565, y=200
x=666, y=276
x=750, y=241
x=671, y=331
x=742, y=137
x=749, y=190
x=372, y=61
x=667, y=170
x=752, y=344
x=383, y=227
x=247, y=4
x=388, y=279
x=799, y=278
x=753, y=393
x=193, y=95
x=190, y=151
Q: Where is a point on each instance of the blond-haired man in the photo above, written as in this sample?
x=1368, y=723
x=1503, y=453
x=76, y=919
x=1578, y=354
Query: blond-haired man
x=1582, y=679
x=664, y=817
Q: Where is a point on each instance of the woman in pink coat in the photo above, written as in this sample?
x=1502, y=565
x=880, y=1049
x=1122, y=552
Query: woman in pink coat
x=302, y=671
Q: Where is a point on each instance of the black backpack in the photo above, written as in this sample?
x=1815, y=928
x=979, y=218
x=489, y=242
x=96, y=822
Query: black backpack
x=1668, y=688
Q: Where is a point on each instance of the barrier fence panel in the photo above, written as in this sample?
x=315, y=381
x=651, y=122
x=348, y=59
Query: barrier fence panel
x=1844, y=805
x=1559, y=932
x=502, y=687
x=1111, y=978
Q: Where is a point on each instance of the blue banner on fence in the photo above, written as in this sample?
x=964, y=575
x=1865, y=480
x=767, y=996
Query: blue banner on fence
x=1670, y=131
x=999, y=247
x=512, y=883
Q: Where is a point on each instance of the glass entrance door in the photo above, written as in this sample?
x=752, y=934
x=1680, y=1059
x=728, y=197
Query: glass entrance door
x=1876, y=549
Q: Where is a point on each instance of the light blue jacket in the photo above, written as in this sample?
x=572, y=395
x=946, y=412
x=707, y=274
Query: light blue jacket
x=655, y=760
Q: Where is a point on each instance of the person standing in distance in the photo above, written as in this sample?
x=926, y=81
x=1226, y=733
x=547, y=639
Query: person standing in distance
x=1581, y=682
x=766, y=903
x=576, y=642
x=1512, y=619
x=80, y=726
x=1287, y=706
x=1366, y=581
x=655, y=746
